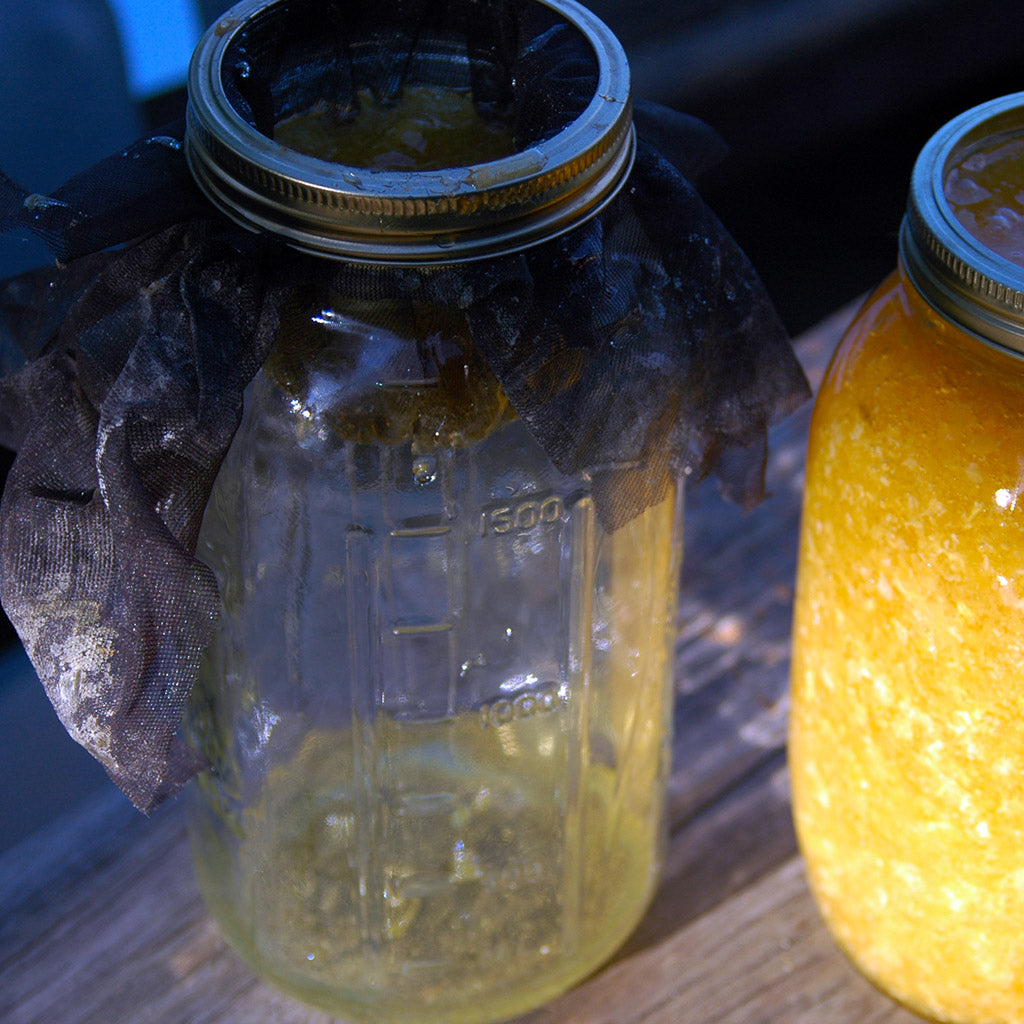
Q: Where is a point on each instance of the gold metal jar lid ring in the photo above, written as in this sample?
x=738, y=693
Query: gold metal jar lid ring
x=959, y=276
x=409, y=217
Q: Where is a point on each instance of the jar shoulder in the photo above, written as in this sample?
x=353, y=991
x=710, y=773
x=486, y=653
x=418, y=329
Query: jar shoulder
x=900, y=355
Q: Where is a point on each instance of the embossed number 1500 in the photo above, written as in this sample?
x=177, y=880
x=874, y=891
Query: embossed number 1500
x=521, y=518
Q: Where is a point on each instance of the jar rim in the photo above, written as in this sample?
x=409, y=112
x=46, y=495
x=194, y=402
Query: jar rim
x=418, y=216
x=958, y=275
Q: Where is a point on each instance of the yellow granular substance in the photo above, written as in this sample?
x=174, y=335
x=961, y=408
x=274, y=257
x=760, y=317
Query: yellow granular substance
x=907, y=735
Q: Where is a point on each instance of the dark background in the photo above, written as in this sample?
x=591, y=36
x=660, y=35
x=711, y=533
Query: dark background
x=824, y=105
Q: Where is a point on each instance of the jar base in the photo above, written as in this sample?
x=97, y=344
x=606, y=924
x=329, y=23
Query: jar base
x=491, y=899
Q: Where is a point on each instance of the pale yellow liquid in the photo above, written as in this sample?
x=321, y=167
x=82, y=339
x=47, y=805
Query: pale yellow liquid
x=496, y=887
x=427, y=128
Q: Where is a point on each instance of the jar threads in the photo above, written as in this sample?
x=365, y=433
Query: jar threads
x=409, y=217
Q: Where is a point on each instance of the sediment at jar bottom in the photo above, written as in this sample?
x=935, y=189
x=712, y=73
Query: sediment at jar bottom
x=482, y=892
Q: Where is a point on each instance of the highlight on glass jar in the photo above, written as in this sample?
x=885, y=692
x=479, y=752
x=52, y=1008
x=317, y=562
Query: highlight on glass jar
x=437, y=708
x=907, y=727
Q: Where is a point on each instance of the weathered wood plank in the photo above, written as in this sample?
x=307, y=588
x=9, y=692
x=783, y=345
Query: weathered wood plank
x=730, y=844
x=762, y=957
x=736, y=605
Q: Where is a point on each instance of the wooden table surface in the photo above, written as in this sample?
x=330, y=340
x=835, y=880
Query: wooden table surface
x=101, y=921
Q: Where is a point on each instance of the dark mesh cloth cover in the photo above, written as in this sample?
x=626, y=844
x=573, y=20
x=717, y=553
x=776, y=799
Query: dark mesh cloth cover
x=640, y=346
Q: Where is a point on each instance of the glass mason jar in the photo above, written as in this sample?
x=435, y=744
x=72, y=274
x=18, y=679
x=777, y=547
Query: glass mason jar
x=437, y=711
x=907, y=734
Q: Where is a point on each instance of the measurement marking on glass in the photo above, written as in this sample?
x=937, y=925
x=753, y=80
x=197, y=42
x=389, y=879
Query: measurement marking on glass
x=421, y=630
x=420, y=531
x=420, y=382
x=417, y=804
x=415, y=719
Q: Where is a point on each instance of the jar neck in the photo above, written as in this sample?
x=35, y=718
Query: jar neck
x=941, y=329
x=563, y=172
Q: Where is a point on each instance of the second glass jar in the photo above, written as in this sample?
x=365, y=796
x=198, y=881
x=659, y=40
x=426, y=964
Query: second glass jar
x=907, y=729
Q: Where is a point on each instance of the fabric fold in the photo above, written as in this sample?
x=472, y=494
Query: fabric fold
x=639, y=347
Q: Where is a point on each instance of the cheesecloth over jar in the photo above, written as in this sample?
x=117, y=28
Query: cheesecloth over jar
x=637, y=345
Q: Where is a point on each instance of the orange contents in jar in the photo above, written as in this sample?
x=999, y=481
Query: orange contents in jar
x=907, y=742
